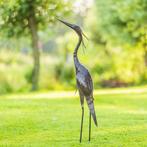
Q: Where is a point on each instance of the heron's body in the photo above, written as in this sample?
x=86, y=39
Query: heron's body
x=84, y=84
x=84, y=81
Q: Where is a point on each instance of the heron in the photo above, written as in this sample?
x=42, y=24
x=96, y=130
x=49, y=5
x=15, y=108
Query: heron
x=83, y=80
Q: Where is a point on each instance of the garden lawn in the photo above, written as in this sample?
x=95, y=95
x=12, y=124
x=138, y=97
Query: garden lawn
x=55, y=122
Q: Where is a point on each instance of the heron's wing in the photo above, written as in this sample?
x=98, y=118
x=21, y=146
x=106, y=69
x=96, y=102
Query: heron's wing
x=85, y=83
x=89, y=82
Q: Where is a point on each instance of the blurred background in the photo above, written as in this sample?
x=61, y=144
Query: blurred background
x=36, y=51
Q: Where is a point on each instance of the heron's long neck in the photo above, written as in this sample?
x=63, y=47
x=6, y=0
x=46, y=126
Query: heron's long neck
x=76, y=60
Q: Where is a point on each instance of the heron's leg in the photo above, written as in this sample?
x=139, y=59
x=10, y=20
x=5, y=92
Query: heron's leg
x=82, y=105
x=81, y=124
x=89, y=126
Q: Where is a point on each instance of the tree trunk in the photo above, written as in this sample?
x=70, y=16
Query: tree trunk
x=36, y=53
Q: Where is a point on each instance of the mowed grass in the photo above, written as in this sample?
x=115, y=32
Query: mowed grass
x=42, y=122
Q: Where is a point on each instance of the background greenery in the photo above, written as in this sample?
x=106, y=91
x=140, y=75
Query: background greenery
x=116, y=52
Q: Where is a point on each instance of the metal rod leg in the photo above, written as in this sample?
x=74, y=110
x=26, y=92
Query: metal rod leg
x=89, y=126
x=81, y=124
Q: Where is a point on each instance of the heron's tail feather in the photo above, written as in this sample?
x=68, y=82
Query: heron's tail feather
x=91, y=108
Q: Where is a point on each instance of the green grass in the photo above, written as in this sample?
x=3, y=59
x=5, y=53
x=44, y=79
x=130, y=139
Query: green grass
x=46, y=122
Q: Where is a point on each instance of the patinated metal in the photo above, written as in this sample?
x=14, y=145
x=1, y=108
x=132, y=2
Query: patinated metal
x=84, y=81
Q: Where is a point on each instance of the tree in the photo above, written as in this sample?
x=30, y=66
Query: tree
x=25, y=18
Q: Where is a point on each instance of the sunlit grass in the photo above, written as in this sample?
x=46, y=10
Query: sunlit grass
x=39, y=122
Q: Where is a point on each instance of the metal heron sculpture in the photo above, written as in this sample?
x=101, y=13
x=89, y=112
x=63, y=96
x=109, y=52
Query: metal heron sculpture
x=84, y=80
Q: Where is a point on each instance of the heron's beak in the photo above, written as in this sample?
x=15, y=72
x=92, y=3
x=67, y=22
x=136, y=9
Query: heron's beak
x=66, y=23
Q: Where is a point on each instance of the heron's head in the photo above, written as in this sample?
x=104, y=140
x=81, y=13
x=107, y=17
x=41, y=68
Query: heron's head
x=76, y=28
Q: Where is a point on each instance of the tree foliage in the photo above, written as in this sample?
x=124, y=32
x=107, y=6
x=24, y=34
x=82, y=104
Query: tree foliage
x=15, y=14
x=122, y=21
